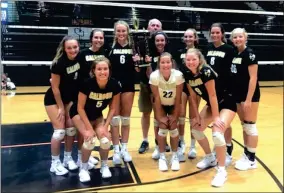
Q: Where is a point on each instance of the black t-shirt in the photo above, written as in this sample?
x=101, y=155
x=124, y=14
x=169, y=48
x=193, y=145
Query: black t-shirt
x=240, y=72
x=197, y=82
x=220, y=60
x=123, y=68
x=97, y=98
x=69, y=72
x=86, y=58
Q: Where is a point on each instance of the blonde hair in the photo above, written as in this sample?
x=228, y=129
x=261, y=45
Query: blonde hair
x=202, y=61
x=98, y=60
x=61, y=48
x=166, y=54
x=195, y=35
x=127, y=29
x=238, y=30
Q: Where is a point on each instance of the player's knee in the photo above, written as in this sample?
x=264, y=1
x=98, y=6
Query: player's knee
x=125, y=121
x=218, y=138
x=104, y=143
x=250, y=128
x=174, y=133
x=71, y=131
x=156, y=123
x=163, y=132
x=115, y=121
x=58, y=134
x=198, y=135
x=181, y=120
x=90, y=144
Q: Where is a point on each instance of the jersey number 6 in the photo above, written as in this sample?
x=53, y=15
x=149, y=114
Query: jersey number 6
x=122, y=59
x=167, y=94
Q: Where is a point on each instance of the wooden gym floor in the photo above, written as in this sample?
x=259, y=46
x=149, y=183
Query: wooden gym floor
x=25, y=146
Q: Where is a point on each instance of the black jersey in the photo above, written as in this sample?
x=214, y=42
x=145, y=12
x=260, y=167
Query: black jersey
x=197, y=82
x=69, y=72
x=123, y=68
x=179, y=58
x=86, y=58
x=220, y=60
x=97, y=98
x=240, y=72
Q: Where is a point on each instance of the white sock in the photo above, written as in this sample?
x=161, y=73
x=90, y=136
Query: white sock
x=85, y=166
x=181, y=137
x=116, y=148
x=192, y=142
x=123, y=146
x=104, y=162
x=55, y=158
x=252, y=150
x=228, y=144
x=222, y=168
x=145, y=139
x=67, y=153
x=162, y=155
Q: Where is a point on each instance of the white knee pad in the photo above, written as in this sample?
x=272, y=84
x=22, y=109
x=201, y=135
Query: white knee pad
x=181, y=120
x=90, y=145
x=58, y=134
x=198, y=135
x=218, y=139
x=156, y=123
x=163, y=132
x=104, y=143
x=250, y=129
x=174, y=133
x=115, y=121
x=71, y=131
x=125, y=121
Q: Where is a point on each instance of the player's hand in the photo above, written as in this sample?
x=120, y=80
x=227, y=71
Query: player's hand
x=172, y=120
x=89, y=134
x=219, y=124
x=148, y=59
x=136, y=58
x=164, y=121
x=61, y=114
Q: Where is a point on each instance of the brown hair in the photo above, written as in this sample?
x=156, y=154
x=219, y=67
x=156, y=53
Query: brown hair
x=222, y=30
x=166, y=54
x=98, y=60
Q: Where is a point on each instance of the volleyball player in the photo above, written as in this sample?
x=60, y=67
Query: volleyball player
x=159, y=44
x=86, y=58
x=124, y=70
x=58, y=100
x=244, y=69
x=220, y=108
x=190, y=39
x=219, y=56
x=166, y=85
x=145, y=98
x=95, y=95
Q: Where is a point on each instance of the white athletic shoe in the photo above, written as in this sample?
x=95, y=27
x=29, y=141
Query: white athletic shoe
x=228, y=160
x=175, y=163
x=126, y=156
x=84, y=176
x=182, y=144
x=207, y=161
x=105, y=171
x=180, y=155
x=192, y=153
x=220, y=178
x=245, y=164
x=58, y=168
x=116, y=159
x=93, y=160
x=156, y=153
x=69, y=163
x=90, y=165
x=163, y=166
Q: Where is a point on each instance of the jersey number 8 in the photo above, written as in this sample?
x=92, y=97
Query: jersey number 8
x=99, y=104
x=122, y=59
x=167, y=94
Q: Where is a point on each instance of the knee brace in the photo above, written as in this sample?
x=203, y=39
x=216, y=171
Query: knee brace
x=125, y=121
x=71, y=131
x=163, y=132
x=218, y=139
x=115, y=121
x=250, y=129
x=156, y=123
x=181, y=120
x=104, y=143
x=174, y=133
x=90, y=145
x=198, y=135
x=58, y=134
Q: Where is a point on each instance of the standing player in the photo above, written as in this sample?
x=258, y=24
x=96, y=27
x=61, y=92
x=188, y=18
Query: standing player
x=86, y=58
x=220, y=108
x=244, y=69
x=58, y=100
x=190, y=39
x=123, y=65
x=219, y=56
x=145, y=98
x=166, y=85
x=95, y=95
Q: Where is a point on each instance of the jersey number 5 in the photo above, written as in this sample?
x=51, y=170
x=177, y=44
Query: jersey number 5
x=167, y=94
x=122, y=59
x=99, y=104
